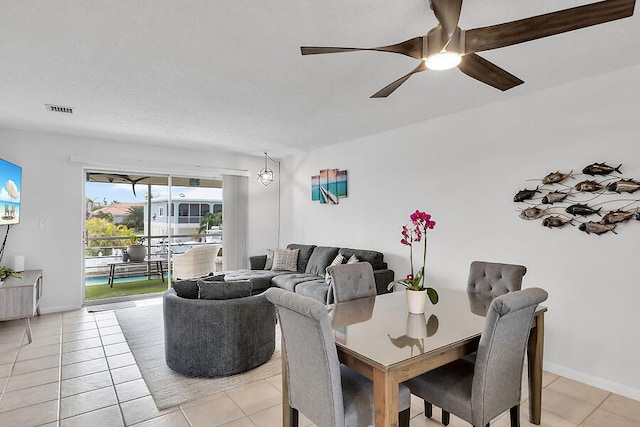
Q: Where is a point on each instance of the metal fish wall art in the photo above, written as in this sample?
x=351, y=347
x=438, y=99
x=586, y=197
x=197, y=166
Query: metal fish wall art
x=594, y=203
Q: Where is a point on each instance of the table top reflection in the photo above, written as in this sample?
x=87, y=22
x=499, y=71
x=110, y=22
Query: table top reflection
x=382, y=330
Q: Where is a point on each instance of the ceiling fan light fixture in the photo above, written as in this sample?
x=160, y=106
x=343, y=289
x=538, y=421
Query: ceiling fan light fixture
x=443, y=60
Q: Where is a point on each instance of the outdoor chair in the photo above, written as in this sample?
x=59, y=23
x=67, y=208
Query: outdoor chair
x=196, y=262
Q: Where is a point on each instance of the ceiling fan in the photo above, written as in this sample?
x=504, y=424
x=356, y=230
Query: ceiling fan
x=447, y=45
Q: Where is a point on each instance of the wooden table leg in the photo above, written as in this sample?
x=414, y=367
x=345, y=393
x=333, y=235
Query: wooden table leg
x=535, y=350
x=385, y=399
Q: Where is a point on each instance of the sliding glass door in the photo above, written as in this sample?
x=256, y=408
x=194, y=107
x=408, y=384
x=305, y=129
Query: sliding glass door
x=135, y=223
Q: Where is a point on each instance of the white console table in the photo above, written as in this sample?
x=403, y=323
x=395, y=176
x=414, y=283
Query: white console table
x=19, y=297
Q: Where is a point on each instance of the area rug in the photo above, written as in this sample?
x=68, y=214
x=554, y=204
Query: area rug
x=143, y=329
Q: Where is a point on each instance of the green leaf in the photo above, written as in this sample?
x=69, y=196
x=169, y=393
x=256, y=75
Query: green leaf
x=433, y=295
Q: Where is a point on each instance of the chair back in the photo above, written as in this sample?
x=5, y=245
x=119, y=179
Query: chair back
x=497, y=375
x=352, y=281
x=197, y=261
x=313, y=369
x=494, y=279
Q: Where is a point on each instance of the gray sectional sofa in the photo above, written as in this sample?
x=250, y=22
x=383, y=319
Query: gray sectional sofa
x=309, y=277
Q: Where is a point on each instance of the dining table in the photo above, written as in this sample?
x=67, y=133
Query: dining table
x=380, y=339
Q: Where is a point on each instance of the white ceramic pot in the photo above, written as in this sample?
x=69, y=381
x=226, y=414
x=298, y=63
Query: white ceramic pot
x=416, y=325
x=416, y=301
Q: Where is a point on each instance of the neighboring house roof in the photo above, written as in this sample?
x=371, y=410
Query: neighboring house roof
x=118, y=209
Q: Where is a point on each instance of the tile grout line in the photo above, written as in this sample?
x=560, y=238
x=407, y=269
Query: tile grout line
x=113, y=383
x=595, y=409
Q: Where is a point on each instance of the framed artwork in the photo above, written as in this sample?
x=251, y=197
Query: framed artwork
x=329, y=186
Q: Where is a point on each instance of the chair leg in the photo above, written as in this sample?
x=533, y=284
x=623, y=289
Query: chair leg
x=403, y=418
x=515, y=416
x=293, y=417
x=445, y=418
x=428, y=409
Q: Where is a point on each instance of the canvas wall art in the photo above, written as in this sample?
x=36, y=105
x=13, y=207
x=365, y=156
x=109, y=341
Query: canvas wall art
x=329, y=186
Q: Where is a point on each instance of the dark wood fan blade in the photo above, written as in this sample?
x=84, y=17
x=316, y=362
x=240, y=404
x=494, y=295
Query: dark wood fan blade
x=510, y=33
x=448, y=14
x=487, y=72
x=388, y=90
x=411, y=47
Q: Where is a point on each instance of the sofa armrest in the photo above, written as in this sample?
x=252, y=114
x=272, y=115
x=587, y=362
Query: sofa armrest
x=383, y=278
x=257, y=262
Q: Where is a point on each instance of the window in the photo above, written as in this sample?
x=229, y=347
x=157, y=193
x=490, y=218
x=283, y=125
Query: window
x=192, y=213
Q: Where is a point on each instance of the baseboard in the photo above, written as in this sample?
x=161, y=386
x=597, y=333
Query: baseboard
x=59, y=308
x=614, y=387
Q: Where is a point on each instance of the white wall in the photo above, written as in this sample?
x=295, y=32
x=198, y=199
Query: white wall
x=52, y=191
x=464, y=169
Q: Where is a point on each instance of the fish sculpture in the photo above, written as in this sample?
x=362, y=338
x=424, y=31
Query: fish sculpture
x=600, y=169
x=624, y=186
x=555, y=177
x=525, y=194
x=554, y=197
x=588, y=186
x=533, y=213
x=556, y=222
x=583, y=210
x=615, y=217
x=597, y=228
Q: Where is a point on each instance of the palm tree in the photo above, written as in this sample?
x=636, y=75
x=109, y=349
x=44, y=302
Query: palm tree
x=134, y=218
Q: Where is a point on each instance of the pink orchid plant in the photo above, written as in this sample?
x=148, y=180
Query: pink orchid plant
x=416, y=232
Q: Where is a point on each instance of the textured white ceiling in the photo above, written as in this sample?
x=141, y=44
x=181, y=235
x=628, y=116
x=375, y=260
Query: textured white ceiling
x=228, y=74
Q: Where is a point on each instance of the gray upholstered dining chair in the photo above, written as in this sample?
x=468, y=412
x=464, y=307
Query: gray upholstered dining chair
x=494, y=279
x=326, y=392
x=478, y=391
x=351, y=281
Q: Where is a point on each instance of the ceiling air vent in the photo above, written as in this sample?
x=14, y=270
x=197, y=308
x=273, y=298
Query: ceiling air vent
x=59, y=108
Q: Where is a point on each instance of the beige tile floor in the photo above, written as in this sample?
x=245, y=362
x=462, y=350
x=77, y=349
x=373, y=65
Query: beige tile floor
x=79, y=371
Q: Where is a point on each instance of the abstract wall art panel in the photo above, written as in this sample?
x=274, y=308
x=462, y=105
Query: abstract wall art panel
x=329, y=186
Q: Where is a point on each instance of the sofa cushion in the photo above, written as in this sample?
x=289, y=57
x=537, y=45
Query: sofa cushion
x=261, y=279
x=303, y=255
x=290, y=281
x=320, y=259
x=213, y=278
x=186, y=288
x=224, y=290
x=372, y=257
x=316, y=289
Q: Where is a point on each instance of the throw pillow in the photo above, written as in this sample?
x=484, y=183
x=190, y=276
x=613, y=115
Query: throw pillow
x=285, y=259
x=339, y=259
x=353, y=259
x=224, y=290
x=186, y=288
x=269, y=263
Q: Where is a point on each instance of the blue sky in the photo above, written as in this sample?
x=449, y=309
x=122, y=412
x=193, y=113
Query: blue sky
x=124, y=193
x=10, y=185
